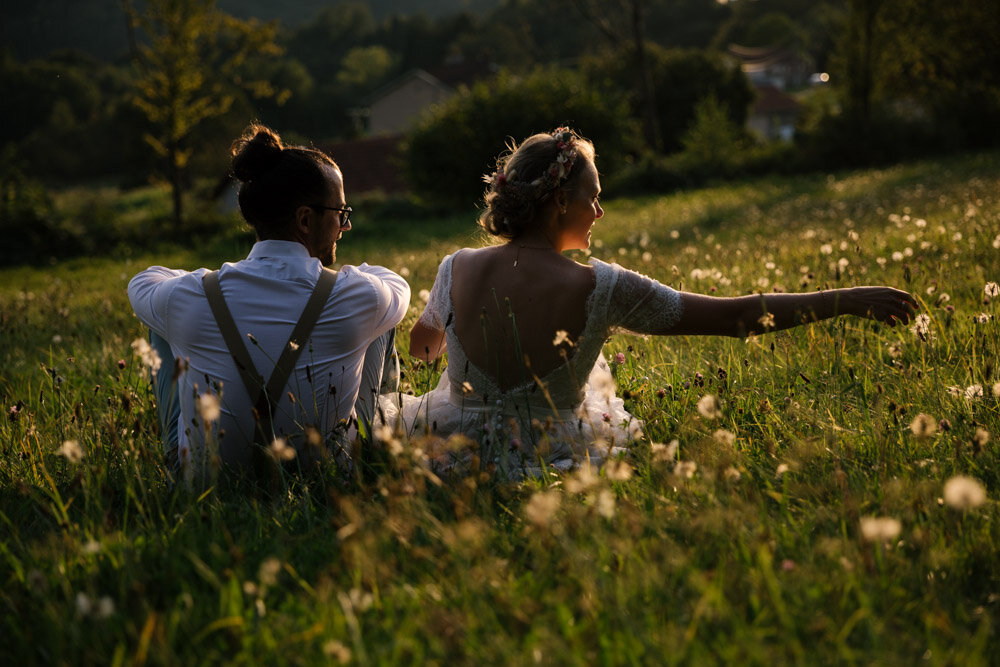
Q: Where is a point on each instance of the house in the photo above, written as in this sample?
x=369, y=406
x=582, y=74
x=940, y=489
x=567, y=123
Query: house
x=373, y=163
x=773, y=114
x=773, y=66
x=393, y=108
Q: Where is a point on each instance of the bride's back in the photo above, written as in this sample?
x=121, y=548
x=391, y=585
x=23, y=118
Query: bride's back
x=510, y=301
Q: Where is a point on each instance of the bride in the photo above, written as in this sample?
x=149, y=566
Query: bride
x=524, y=325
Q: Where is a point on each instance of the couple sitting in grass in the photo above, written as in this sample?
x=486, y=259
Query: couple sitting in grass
x=523, y=325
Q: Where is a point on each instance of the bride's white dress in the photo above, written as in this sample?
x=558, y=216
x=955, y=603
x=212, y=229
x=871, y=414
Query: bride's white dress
x=570, y=413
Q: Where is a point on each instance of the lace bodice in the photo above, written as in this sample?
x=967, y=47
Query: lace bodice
x=621, y=300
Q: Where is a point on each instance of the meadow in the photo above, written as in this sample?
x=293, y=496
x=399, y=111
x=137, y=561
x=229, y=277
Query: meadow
x=826, y=494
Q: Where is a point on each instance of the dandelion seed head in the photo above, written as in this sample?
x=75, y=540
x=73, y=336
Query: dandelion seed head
x=781, y=469
x=146, y=354
x=981, y=437
x=923, y=426
x=281, y=451
x=724, y=437
x=584, y=479
x=732, y=474
x=617, y=470
x=709, y=407
x=209, y=407
x=562, y=336
x=71, y=450
x=880, y=529
x=541, y=507
x=269, y=570
x=991, y=289
x=424, y=295
x=663, y=452
x=973, y=392
x=962, y=493
x=685, y=469
x=606, y=504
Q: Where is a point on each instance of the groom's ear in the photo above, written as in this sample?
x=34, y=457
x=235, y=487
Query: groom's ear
x=303, y=219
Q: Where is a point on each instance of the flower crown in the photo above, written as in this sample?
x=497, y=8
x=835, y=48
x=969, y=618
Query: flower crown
x=553, y=176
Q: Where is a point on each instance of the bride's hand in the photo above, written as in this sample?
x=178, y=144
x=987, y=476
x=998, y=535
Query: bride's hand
x=885, y=304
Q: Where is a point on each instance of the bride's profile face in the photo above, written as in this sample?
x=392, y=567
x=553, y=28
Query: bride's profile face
x=583, y=209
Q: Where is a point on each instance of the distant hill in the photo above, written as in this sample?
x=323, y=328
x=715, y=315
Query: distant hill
x=36, y=28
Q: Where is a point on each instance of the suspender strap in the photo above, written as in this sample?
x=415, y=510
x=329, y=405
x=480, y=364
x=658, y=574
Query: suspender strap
x=264, y=398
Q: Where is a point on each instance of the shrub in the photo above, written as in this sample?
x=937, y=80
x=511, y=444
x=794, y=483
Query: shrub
x=448, y=153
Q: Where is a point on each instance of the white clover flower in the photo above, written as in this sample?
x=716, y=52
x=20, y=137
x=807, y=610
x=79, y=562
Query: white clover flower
x=880, y=529
x=961, y=492
x=71, y=450
x=709, y=407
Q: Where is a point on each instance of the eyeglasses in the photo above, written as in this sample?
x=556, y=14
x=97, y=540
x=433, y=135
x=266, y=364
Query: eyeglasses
x=345, y=211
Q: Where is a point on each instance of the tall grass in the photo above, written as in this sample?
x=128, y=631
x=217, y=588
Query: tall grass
x=804, y=520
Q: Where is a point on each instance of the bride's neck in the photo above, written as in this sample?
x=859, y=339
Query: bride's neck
x=534, y=239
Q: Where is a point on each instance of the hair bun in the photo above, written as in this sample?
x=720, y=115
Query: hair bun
x=255, y=153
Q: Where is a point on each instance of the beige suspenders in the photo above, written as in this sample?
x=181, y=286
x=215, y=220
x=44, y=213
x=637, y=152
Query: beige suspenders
x=264, y=397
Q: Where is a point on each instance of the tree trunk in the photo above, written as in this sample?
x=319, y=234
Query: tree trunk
x=646, y=88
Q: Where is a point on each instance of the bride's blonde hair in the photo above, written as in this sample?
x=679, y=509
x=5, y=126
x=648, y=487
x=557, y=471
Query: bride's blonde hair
x=527, y=176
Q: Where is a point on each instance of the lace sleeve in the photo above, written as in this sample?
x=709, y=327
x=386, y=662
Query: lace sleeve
x=438, y=308
x=642, y=305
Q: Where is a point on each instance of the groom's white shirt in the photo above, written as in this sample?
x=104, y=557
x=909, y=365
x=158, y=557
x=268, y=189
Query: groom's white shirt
x=266, y=293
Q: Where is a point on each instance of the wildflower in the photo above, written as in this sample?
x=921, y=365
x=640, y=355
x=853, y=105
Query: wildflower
x=922, y=326
x=72, y=451
x=724, y=437
x=923, y=426
x=709, y=407
x=424, y=295
x=826, y=249
x=996, y=390
x=981, y=437
x=541, y=508
x=895, y=350
x=56, y=339
x=618, y=470
x=781, y=469
x=604, y=385
x=91, y=548
x=281, y=451
x=991, y=289
x=766, y=320
x=583, y=479
x=963, y=493
x=606, y=504
x=84, y=605
x=121, y=364
x=685, y=469
x=982, y=318
x=337, y=651
x=663, y=452
x=146, y=353
x=973, y=391
x=105, y=607
x=209, y=407
x=620, y=358
x=404, y=271
x=732, y=474
x=787, y=565
x=269, y=570
x=561, y=337
x=880, y=529
x=293, y=346
x=467, y=388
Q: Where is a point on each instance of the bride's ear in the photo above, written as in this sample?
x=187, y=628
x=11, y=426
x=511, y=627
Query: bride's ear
x=561, y=199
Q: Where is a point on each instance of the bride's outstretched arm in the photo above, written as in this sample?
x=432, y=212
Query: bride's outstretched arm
x=760, y=313
x=426, y=343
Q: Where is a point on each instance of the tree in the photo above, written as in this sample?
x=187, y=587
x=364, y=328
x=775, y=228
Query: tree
x=189, y=71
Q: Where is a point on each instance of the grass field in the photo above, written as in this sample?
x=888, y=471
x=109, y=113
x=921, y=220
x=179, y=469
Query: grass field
x=839, y=507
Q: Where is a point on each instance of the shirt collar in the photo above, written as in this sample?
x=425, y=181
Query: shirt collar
x=274, y=248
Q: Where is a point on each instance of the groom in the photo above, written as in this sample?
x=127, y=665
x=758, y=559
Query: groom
x=273, y=356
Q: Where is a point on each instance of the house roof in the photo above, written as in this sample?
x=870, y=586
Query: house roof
x=772, y=100
x=447, y=76
x=369, y=164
